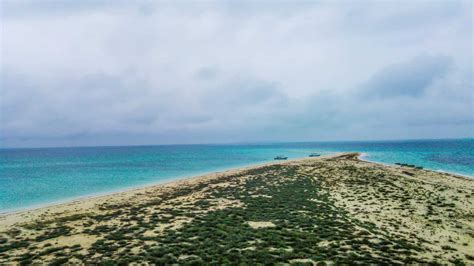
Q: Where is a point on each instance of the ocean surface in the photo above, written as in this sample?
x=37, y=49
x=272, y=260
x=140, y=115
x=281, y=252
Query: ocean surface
x=35, y=177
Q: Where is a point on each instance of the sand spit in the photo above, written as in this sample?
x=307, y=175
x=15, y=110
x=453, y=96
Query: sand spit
x=335, y=209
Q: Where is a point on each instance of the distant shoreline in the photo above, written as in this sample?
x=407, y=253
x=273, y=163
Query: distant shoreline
x=363, y=157
x=172, y=180
x=178, y=180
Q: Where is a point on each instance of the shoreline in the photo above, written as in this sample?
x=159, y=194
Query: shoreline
x=176, y=180
x=127, y=189
x=170, y=182
x=363, y=157
x=382, y=213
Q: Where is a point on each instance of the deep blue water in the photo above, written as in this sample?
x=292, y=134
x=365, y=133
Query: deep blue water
x=33, y=177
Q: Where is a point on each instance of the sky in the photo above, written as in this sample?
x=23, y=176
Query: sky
x=97, y=72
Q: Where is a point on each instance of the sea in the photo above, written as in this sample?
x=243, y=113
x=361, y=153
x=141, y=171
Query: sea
x=36, y=177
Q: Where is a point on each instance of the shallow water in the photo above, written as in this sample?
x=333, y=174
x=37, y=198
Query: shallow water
x=33, y=177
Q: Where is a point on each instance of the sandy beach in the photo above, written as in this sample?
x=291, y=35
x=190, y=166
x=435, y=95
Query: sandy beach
x=329, y=209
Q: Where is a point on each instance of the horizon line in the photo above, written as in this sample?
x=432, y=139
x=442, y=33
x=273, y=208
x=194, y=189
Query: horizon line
x=234, y=143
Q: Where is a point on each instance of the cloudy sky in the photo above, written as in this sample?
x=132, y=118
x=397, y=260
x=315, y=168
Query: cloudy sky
x=152, y=72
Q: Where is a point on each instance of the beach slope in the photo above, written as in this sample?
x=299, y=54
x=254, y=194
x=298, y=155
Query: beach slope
x=334, y=209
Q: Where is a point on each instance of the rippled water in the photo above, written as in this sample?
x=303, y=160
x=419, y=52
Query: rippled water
x=32, y=177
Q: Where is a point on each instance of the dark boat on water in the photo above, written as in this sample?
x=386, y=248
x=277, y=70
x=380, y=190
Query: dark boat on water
x=409, y=165
x=314, y=155
x=280, y=157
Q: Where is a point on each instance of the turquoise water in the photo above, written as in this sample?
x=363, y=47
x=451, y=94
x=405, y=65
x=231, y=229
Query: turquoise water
x=35, y=177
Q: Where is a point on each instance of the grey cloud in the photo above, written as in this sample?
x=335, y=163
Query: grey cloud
x=409, y=79
x=48, y=8
x=146, y=72
x=207, y=73
x=90, y=103
x=402, y=15
x=238, y=92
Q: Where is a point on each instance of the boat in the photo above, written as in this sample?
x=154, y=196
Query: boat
x=280, y=157
x=409, y=165
x=314, y=155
